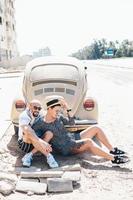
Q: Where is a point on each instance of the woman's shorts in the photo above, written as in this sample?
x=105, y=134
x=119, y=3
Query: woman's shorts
x=25, y=147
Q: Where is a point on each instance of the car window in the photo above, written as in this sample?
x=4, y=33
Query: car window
x=67, y=72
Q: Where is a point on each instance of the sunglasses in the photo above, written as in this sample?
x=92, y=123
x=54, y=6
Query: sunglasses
x=37, y=108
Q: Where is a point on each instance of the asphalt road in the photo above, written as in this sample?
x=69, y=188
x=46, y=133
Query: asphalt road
x=10, y=87
x=112, y=87
x=119, y=75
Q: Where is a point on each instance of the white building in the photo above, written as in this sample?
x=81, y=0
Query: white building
x=42, y=52
x=8, y=46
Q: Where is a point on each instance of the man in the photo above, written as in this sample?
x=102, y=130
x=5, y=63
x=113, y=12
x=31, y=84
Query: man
x=31, y=137
x=72, y=143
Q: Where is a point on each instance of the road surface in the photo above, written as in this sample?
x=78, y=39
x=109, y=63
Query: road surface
x=10, y=86
x=113, y=90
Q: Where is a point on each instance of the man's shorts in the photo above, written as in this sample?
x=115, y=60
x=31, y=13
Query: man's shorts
x=25, y=147
x=65, y=143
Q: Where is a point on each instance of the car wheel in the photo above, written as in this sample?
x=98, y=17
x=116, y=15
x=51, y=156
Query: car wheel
x=16, y=130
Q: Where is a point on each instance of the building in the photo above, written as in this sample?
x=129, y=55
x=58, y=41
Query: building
x=8, y=46
x=42, y=52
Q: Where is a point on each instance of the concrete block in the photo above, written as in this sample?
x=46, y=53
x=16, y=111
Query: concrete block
x=8, y=176
x=42, y=180
x=30, y=179
x=73, y=176
x=75, y=167
x=59, y=185
x=18, y=170
x=29, y=186
x=43, y=174
x=6, y=187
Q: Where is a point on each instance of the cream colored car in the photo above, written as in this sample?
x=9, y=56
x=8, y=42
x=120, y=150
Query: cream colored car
x=66, y=77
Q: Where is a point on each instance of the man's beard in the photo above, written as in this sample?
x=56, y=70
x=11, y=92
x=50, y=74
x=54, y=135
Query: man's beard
x=35, y=114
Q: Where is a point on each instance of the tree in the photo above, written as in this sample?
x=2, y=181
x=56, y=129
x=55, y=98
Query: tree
x=98, y=49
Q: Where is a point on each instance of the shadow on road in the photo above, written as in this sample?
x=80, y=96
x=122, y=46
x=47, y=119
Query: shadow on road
x=122, y=168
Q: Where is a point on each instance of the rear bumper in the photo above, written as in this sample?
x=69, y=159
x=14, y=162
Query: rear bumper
x=80, y=125
x=85, y=121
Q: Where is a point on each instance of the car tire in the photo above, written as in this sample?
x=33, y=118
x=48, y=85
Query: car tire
x=16, y=130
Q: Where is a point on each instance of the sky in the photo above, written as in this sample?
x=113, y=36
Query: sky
x=66, y=26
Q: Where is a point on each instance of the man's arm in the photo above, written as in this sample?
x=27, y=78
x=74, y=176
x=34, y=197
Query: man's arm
x=29, y=136
x=69, y=119
x=27, y=129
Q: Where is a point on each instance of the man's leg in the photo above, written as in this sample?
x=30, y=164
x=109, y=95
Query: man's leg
x=28, y=140
x=46, y=137
x=92, y=147
x=38, y=143
x=89, y=145
x=97, y=132
x=28, y=157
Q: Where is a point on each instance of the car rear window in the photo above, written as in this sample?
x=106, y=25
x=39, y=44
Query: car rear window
x=67, y=72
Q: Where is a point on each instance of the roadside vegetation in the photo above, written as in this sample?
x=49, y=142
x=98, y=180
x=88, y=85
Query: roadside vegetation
x=105, y=49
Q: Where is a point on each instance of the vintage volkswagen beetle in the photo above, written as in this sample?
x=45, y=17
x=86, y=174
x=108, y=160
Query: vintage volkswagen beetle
x=66, y=77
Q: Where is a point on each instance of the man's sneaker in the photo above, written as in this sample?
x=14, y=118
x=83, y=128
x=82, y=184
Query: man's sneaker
x=27, y=160
x=120, y=160
x=117, y=151
x=51, y=161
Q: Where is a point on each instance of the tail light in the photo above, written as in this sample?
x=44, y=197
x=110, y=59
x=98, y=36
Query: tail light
x=20, y=104
x=89, y=104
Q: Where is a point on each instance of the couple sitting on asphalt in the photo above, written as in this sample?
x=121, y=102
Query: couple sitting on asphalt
x=47, y=133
